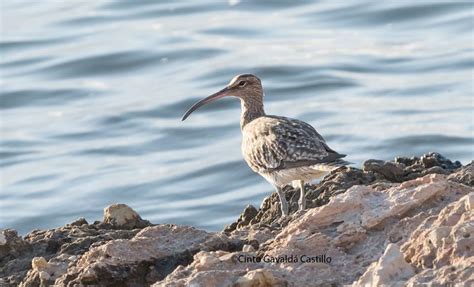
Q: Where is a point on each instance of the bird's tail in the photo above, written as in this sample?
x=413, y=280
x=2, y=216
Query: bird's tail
x=330, y=166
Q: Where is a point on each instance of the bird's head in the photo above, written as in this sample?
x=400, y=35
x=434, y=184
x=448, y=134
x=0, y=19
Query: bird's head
x=245, y=86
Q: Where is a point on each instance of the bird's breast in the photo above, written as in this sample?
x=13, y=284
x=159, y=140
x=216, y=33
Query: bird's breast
x=260, y=149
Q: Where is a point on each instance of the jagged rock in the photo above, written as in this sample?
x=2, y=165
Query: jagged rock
x=209, y=269
x=59, y=246
x=79, y=222
x=392, y=171
x=11, y=245
x=153, y=253
x=336, y=244
x=247, y=215
x=363, y=227
x=429, y=160
x=378, y=173
x=43, y=273
x=444, y=240
x=391, y=269
x=122, y=216
x=464, y=175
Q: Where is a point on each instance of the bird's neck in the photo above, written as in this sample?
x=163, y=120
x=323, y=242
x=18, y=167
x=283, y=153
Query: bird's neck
x=252, y=108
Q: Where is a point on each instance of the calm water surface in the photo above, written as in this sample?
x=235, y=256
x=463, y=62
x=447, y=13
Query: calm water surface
x=92, y=93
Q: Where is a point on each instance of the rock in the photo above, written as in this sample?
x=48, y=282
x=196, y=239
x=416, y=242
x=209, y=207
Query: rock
x=59, y=246
x=392, y=171
x=403, y=223
x=259, y=277
x=247, y=215
x=441, y=248
x=43, y=273
x=378, y=173
x=464, y=175
x=337, y=243
x=149, y=256
x=248, y=248
x=79, y=222
x=391, y=269
x=445, y=239
x=3, y=238
x=122, y=216
x=11, y=245
x=429, y=160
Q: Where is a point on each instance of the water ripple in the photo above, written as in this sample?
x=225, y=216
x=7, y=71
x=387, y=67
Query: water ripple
x=21, y=98
x=92, y=97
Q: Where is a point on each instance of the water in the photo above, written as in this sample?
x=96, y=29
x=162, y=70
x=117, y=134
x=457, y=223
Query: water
x=92, y=93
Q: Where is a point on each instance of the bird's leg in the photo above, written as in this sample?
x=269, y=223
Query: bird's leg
x=283, y=202
x=302, y=200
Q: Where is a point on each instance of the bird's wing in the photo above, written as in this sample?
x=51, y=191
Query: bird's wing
x=280, y=143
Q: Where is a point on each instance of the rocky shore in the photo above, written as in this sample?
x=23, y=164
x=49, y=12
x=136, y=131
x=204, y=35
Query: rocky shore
x=407, y=222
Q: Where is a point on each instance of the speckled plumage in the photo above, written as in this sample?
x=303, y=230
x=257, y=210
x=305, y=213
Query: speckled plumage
x=280, y=149
x=273, y=143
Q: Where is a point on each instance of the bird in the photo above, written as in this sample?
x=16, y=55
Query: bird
x=280, y=149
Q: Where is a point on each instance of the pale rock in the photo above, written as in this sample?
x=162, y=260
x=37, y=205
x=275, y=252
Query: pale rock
x=44, y=276
x=259, y=277
x=390, y=270
x=446, y=239
x=121, y=215
x=3, y=239
x=39, y=263
x=43, y=271
x=248, y=248
x=362, y=206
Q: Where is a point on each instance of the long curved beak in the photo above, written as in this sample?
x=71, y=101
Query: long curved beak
x=214, y=97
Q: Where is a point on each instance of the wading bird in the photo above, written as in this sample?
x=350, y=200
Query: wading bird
x=280, y=149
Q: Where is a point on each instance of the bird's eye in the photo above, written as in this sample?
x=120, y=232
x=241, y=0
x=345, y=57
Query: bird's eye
x=242, y=83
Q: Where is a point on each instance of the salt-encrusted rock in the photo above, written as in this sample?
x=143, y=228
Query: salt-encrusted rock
x=122, y=216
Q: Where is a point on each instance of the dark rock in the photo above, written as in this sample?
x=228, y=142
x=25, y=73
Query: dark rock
x=78, y=222
x=247, y=215
x=464, y=175
x=392, y=171
x=11, y=245
x=435, y=169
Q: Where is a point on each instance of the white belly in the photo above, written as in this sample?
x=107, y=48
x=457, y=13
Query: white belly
x=286, y=176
